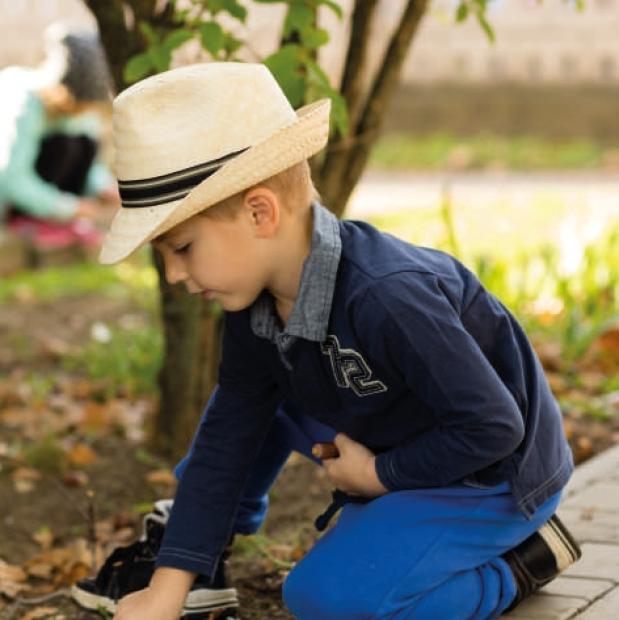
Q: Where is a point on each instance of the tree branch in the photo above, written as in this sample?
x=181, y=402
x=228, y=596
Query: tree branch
x=356, y=57
x=345, y=161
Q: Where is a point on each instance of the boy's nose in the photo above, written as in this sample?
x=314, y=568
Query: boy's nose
x=175, y=272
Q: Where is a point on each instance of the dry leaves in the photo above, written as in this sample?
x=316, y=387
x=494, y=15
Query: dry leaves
x=12, y=580
x=25, y=479
x=163, y=477
x=82, y=455
x=62, y=566
x=42, y=612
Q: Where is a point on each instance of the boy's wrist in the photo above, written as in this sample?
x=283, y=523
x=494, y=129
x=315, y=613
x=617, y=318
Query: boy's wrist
x=378, y=488
x=172, y=583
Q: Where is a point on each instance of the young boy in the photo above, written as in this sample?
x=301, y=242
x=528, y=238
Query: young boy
x=451, y=451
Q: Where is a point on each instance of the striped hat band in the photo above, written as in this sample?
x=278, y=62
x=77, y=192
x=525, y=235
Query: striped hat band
x=169, y=187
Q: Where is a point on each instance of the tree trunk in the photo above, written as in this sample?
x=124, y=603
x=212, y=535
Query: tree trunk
x=189, y=370
x=191, y=327
x=191, y=349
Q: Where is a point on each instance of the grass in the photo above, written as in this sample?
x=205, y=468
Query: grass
x=566, y=289
x=442, y=151
x=562, y=284
x=125, y=363
x=136, y=278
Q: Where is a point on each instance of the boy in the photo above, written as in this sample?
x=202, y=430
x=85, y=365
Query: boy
x=451, y=452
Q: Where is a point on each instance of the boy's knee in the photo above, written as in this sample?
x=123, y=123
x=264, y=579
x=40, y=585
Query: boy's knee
x=299, y=592
x=309, y=594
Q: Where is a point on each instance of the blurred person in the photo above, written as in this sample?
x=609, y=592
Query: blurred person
x=50, y=131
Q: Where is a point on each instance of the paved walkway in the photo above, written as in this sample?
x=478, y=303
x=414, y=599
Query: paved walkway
x=589, y=589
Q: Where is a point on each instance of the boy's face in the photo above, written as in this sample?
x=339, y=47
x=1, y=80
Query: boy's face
x=219, y=259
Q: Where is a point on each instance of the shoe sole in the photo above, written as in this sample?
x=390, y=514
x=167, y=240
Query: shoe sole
x=198, y=601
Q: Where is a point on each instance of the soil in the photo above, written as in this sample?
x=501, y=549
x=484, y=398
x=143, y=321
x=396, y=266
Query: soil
x=30, y=333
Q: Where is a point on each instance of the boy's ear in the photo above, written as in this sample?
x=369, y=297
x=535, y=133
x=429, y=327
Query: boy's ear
x=263, y=207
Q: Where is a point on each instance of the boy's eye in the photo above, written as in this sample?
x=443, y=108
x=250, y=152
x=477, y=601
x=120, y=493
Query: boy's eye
x=182, y=249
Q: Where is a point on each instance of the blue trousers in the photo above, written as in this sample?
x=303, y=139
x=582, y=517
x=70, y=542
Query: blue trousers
x=431, y=554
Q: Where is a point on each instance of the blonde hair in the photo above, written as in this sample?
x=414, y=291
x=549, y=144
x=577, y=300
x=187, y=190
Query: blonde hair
x=294, y=187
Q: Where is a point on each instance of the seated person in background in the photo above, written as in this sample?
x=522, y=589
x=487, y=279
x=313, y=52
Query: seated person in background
x=49, y=138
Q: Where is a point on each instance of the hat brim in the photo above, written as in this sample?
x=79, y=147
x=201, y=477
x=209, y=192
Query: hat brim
x=133, y=227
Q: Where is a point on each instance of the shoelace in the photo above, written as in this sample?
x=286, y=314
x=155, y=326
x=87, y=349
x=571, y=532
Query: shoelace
x=338, y=501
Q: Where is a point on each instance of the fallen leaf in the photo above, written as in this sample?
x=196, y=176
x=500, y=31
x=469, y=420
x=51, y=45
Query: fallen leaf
x=25, y=478
x=75, y=479
x=42, y=612
x=81, y=455
x=95, y=418
x=12, y=579
x=161, y=476
x=604, y=350
x=62, y=566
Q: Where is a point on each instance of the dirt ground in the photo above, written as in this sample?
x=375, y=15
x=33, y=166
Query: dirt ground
x=28, y=331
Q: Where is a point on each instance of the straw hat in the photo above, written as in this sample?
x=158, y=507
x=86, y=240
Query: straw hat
x=191, y=137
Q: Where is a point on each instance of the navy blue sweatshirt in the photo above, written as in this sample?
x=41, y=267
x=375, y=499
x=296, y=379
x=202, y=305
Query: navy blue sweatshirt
x=401, y=348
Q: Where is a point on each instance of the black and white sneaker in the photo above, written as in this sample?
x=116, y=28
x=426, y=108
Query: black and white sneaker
x=129, y=569
x=541, y=557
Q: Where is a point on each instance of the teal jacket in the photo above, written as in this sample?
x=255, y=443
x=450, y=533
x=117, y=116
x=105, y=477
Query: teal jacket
x=23, y=125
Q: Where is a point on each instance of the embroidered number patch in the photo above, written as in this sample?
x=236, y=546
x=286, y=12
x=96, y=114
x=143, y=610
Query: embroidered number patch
x=350, y=369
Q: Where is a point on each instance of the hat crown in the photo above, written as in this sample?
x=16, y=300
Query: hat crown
x=193, y=115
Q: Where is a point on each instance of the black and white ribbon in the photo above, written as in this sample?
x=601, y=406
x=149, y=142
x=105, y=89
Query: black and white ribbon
x=169, y=187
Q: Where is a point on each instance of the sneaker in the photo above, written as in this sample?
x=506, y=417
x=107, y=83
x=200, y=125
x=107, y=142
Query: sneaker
x=129, y=569
x=541, y=557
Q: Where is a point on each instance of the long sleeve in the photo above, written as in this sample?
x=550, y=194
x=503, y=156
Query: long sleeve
x=21, y=183
x=478, y=421
x=226, y=444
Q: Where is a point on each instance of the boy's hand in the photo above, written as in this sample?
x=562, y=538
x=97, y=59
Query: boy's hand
x=354, y=471
x=146, y=605
x=163, y=599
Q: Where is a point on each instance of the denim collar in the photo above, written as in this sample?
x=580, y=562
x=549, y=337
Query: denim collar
x=309, y=318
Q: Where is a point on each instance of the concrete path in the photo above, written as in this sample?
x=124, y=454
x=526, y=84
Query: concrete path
x=589, y=589
x=388, y=192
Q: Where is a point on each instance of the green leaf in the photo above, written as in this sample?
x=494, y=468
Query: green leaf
x=321, y=88
x=313, y=38
x=299, y=17
x=137, y=67
x=334, y=6
x=486, y=27
x=233, y=7
x=212, y=37
x=339, y=112
x=231, y=45
x=285, y=67
x=176, y=38
x=462, y=12
x=148, y=33
x=317, y=75
x=160, y=57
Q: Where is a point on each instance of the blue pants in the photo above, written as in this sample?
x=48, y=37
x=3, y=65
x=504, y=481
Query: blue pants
x=428, y=554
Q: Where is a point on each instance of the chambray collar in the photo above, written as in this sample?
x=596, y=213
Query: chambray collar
x=309, y=318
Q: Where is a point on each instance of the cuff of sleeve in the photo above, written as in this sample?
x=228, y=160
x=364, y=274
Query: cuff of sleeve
x=386, y=472
x=184, y=559
x=65, y=207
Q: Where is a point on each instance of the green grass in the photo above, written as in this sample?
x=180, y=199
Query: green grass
x=126, y=365
x=568, y=292
x=446, y=151
x=516, y=252
x=137, y=278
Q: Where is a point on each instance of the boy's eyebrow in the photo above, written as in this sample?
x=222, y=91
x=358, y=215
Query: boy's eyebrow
x=160, y=238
